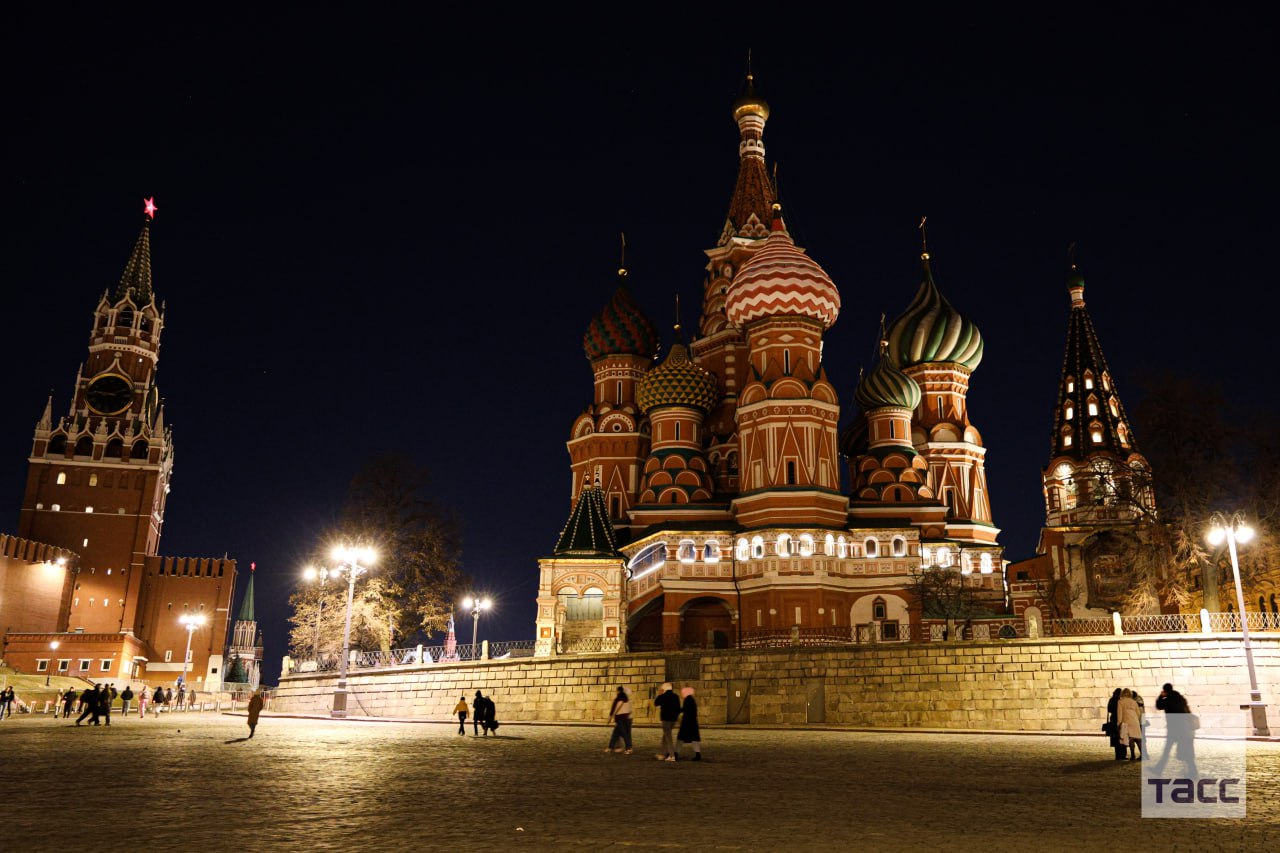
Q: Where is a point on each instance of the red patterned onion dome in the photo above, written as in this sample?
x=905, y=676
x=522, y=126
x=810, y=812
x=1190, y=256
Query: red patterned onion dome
x=781, y=280
x=620, y=329
x=677, y=382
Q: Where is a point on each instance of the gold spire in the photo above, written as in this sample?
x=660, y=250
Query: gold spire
x=622, y=263
x=750, y=103
x=924, y=239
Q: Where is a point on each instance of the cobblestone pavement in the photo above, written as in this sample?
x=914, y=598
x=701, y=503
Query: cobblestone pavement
x=192, y=783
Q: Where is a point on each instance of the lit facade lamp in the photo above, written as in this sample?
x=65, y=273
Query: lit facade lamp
x=53, y=648
x=1235, y=530
x=476, y=606
x=313, y=575
x=190, y=621
x=353, y=562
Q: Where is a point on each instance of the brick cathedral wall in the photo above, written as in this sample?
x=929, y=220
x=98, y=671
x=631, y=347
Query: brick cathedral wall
x=1058, y=685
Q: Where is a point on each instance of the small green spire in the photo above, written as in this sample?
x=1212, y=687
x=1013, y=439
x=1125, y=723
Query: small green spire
x=246, y=605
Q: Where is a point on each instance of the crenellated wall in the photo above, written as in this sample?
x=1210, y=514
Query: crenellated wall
x=1048, y=685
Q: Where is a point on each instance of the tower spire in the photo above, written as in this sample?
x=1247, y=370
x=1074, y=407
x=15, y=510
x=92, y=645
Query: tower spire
x=135, y=281
x=753, y=192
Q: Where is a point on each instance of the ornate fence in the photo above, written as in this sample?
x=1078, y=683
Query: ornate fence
x=589, y=645
x=1230, y=622
x=1078, y=627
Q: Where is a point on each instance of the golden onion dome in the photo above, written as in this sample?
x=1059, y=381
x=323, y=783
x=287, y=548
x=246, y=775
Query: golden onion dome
x=750, y=103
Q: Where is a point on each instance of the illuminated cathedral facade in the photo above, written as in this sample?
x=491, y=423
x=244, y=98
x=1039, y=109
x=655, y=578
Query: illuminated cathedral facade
x=715, y=501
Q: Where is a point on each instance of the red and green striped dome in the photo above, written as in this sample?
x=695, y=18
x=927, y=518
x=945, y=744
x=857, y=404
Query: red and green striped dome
x=620, y=329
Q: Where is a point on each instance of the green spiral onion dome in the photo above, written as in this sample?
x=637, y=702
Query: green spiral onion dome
x=620, y=329
x=887, y=385
x=677, y=382
x=930, y=331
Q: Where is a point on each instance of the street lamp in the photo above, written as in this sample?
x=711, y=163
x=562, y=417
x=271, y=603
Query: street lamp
x=476, y=606
x=190, y=621
x=349, y=560
x=53, y=647
x=311, y=574
x=1236, y=530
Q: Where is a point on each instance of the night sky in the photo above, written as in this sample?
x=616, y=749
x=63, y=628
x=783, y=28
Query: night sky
x=389, y=235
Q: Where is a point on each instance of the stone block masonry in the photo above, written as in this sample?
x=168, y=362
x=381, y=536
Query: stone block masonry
x=1047, y=685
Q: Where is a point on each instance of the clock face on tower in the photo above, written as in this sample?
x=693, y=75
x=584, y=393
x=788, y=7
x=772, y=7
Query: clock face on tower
x=109, y=394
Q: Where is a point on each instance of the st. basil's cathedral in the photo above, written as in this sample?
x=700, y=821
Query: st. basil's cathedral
x=707, y=506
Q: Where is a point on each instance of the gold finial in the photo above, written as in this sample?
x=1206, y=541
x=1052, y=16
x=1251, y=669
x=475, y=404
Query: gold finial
x=622, y=265
x=750, y=76
x=924, y=238
x=677, y=314
x=884, y=336
x=1071, y=254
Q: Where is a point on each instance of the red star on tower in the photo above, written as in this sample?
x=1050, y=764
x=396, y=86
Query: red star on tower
x=149, y=207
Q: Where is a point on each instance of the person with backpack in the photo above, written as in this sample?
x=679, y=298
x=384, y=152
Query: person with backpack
x=620, y=716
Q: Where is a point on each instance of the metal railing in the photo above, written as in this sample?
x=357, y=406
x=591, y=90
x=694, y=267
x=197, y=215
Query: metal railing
x=1078, y=627
x=514, y=649
x=775, y=638
x=424, y=655
x=589, y=645
x=1230, y=622
x=1161, y=623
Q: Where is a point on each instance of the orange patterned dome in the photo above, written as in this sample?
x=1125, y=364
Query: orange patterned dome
x=781, y=280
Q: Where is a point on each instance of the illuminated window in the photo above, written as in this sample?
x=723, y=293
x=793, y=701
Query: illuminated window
x=1095, y=432
x=688, y=551
x=985, y=563
x=711, y=551
x=783, y=545
x=944, y=557
x=806, y=545
x=88, y=509
x=1123, y=435
x=743, y=549
x=56, y=507
x=93, y=479
x=651, y=558
x=842, y=548
x=62, y=478
x=1093, y=408
x=899, y=546
x=1106, y=382
x=829, y=546
x=1115, y=408
x=168, y=655
x=1088, y=381
x=1071, y=385
x=1071, y=411
x=757, y=547
x=926, y=556
x=871, y=547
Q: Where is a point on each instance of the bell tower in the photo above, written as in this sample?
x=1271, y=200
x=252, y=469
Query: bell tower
x=98, y=477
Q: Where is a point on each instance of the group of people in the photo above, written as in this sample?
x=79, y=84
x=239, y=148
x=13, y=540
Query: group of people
x=484, y=715
x=670, y=711
x=96, y=702
x=1126, y=722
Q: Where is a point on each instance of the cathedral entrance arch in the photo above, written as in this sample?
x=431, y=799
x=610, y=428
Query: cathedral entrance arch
x=880, y=617
x=706, y=623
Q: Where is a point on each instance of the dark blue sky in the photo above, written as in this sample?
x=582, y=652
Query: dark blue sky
x=389, y=233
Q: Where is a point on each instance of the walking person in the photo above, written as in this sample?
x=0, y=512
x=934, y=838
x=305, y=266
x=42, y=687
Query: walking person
x=1181, y=725
x=108, y=695
x=1112, y=727
x=255, y=708
x=144, y=696
x=689, y=725
x=182, y=697
x=1130, y=724
x=620, y=716
x=668, y=704
x=490, y=717
x=6, y=702
x=126, y=696
x=478, y=715
x=461, y=710
x=88, y=705
x=68, y=702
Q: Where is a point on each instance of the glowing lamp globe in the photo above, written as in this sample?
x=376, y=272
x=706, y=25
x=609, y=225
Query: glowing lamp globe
x=1244, y=533
x=1216, y=536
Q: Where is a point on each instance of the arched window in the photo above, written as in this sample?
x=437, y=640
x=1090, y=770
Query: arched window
x=125, y=319
x=786, y=361
x=806, y=545
x=62, y=478
x=84, y=447
x=757, y=547
x=783, y=545
x=899, y=546
x=732, y=463
x=687, y=552
x=944, y=557
x=1067, y=438
x=1106, y=381
x=829, y=545
x=1088, y=381
x=1071, y=384
x=966, y=562
x=871, y=547
x=115, y=449
x=1070, y=411
x=926, y=556
x=139, y=450
x=711, y=551
x=93, y=479
x=1123, y=435
x=842, y=548
x=649, y=559
x=743, y=551
x=1095, y=432
x=1093, y=407
x=57, y=446
x=1114, y=407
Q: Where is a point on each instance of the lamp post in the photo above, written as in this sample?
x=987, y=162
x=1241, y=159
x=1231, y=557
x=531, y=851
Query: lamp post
x=1236, y=530
x=349, y=560
x=190, y=621
x=53, y=647
x=476, y=606
x=311, y=574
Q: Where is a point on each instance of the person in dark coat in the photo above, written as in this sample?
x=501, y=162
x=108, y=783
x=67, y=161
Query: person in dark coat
x=255, y=708
x=689, y=725
x=1181, y=724
x=1113, y=726
x=668, y=704
x=104, y=704
x=490, y=717
x=620, y=716
x=68, y=702
x=479, y=707
x=89, y=705
x=126, y=696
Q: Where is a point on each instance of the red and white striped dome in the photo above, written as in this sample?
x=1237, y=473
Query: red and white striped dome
x=779, y=281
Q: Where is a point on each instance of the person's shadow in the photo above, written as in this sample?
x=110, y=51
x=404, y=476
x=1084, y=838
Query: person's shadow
x=236, y=740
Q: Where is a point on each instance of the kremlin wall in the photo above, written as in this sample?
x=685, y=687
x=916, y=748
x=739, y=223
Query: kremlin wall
x=1041, y=685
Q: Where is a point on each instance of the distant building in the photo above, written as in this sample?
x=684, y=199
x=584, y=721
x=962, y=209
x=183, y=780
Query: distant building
x=92, y=515
x=707, y=506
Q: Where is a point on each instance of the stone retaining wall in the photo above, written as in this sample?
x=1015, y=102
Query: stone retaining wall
x=1047, y=685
